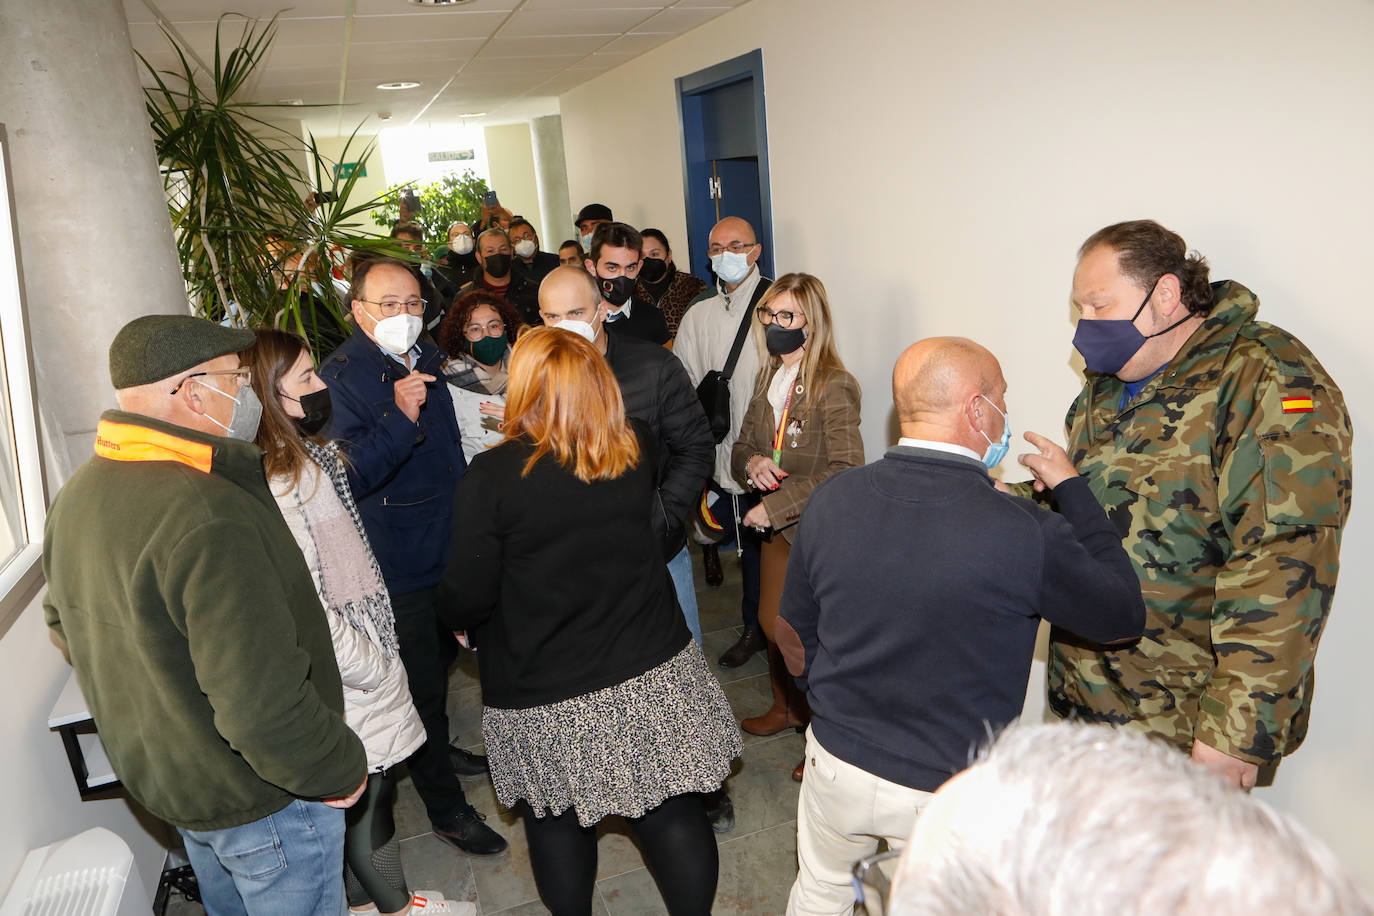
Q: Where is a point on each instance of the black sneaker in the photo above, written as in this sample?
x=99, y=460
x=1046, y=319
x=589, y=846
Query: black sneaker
x=720, y=810
x=468, y=832
x=466, y=763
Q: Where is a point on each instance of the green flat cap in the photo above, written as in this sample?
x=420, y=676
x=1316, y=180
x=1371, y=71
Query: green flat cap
x=156, y=347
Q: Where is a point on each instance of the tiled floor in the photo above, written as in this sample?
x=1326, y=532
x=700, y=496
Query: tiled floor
x=757, y=858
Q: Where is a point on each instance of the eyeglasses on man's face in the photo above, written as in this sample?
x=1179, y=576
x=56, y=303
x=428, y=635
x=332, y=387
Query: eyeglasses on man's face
x=493, y=328
x=716, y=248
x=392, y=307
x=242, y=376
x=785, y=318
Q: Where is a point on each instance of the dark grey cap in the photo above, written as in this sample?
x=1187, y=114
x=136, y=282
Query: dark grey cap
x=156, y=347
x=593, y=211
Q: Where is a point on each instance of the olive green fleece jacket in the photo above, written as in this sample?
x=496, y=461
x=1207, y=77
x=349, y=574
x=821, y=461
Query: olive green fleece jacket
x=193, y=624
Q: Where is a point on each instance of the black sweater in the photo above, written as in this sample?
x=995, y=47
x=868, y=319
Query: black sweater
x=915, y=588
x=561, y=583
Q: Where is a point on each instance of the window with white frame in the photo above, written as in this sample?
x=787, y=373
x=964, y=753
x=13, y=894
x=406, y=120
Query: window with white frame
x=22, y=499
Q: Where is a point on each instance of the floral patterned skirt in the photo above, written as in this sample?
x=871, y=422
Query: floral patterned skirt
x=623, y=749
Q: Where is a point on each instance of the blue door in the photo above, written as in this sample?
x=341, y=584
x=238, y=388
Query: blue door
x=725, y=156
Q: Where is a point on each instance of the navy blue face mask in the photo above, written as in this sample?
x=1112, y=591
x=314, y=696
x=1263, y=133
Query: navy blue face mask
x=1108, y=344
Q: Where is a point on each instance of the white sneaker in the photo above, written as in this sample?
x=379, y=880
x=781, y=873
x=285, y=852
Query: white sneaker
x=429, y=906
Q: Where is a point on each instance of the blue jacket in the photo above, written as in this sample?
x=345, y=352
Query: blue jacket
x=403, y=474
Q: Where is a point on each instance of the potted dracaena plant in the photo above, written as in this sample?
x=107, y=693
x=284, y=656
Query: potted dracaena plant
x=261, y=239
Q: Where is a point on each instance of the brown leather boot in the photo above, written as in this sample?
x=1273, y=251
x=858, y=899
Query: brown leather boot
x=780, y=715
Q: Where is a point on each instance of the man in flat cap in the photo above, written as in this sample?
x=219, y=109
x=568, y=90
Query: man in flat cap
x=193, y=624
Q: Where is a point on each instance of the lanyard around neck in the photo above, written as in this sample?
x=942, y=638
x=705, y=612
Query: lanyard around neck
x=782, y=423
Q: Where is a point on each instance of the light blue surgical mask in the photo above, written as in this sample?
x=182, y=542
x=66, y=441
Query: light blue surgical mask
x=587, y=244
x=731, y=266
x=996, y=451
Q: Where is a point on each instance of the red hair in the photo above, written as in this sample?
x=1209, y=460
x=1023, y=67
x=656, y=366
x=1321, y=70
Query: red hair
x=563, y=397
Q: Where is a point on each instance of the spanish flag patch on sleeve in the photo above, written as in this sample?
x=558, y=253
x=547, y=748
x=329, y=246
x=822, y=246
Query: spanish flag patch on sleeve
x=1297, y=405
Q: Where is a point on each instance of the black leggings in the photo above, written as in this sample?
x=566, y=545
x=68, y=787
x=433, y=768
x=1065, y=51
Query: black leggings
x=676, y=839
x=372, y=859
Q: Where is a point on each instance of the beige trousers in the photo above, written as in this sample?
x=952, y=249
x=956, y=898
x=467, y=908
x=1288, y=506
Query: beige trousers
x=842, y=813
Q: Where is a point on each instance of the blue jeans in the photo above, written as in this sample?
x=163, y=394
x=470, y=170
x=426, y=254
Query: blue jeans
x=680, y=568
x=286, y=864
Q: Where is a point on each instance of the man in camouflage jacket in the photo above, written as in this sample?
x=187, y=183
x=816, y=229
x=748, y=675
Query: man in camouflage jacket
x=1220, y=449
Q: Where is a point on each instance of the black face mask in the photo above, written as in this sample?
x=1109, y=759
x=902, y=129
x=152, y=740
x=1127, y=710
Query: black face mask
x=498, y=265
x=653, y=270
x=318, y=409
x=617, y=290
x=781, y=342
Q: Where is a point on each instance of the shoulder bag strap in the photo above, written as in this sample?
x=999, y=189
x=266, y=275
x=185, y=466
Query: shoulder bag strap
x=743, y=331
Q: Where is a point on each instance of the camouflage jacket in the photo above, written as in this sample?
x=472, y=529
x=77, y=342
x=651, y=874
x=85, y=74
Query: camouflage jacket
x=1229, y=478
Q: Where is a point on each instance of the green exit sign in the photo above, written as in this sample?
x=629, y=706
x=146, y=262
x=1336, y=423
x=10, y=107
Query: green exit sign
x=345, y=169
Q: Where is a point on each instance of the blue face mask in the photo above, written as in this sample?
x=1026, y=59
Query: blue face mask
x=997, y=450
x=1108, y=344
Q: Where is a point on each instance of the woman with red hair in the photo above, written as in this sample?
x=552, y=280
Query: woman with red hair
x=597, y=699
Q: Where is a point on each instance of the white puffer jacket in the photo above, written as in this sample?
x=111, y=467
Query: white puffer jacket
x=377, y=703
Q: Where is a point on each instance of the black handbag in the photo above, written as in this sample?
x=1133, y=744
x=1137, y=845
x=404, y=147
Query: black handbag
x=714, y=389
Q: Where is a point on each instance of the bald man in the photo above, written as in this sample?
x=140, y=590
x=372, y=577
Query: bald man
x=706, y=339
x=912, y=600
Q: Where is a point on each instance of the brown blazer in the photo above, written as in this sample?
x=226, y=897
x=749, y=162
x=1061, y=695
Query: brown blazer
x=828, y=441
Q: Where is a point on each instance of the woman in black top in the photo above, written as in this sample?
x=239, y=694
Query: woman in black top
x=598, y=701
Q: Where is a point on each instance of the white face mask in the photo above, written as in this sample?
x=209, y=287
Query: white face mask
x=398, y=333
x=730, y=266
x=461, y=244
x=584, y=328
x=525, y=248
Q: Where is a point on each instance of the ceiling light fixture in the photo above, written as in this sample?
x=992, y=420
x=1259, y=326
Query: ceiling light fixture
x=437, y=4
x=398, y=84
x=473, y=114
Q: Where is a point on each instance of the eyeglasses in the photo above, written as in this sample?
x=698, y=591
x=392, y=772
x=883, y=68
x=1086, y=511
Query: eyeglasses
x=392, y=307
x=243, y=374
x=490, y=329
x=866, y=876
x=736, y=247
x=785, y=318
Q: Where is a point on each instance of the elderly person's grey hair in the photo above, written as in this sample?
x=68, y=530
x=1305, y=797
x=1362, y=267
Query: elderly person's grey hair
x=1077, y=820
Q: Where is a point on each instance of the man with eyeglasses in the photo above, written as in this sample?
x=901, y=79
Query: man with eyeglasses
x=614, y=261
x=914, y=592
x=713, y=340
x=396, y=424
x=194, y=628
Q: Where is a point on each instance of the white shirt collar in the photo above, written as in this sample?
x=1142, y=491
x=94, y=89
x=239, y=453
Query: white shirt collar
x=940, y=447
x=622, y=312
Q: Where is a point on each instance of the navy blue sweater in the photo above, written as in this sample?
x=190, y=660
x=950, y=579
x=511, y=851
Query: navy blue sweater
x=915, y=589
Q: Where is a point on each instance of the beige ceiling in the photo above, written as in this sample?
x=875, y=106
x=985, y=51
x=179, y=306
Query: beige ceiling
x=508, y=58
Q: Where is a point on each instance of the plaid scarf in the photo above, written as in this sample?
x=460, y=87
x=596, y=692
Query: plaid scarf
x=351, y=583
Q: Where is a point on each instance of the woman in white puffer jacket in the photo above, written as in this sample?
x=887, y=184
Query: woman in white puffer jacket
x=309, y=480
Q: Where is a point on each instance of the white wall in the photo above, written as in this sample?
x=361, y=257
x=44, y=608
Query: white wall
x=937, y=164
x=510, y=156
x=42, y=805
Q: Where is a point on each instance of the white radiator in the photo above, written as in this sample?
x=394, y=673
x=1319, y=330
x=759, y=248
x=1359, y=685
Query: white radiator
x=90, y=874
